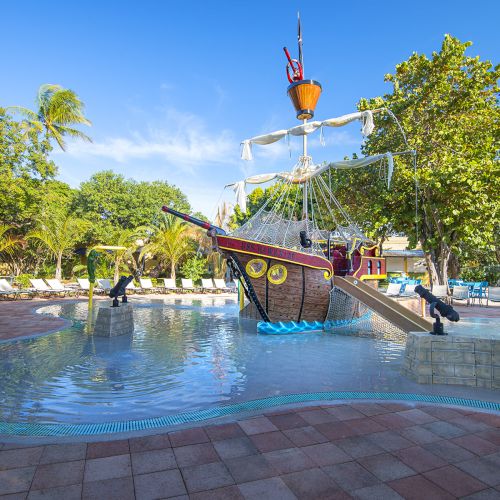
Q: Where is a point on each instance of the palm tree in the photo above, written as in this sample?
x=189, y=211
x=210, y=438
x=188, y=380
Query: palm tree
x=7, y=242
x=170, y=241
x=58, y=232
x=58, y=109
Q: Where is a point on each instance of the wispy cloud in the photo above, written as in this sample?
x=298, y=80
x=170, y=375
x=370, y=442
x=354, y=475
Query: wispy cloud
x=184, y=141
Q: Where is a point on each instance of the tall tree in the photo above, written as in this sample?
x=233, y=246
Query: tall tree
x=171, y=241
x=57, y=111
x=59, y=232
x=448, y=106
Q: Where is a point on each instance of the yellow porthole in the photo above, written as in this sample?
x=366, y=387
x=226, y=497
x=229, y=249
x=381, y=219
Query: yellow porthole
x=277, y=274
x=256, y=268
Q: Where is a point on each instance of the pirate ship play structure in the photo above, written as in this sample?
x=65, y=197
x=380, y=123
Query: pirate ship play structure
x=300, y=259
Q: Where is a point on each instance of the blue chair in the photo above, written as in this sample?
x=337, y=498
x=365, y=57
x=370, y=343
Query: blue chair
x=479, y=290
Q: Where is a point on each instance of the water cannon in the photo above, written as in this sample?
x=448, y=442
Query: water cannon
x=445, y=310
x=120, y=289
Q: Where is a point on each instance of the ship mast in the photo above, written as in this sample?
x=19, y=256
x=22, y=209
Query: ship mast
x=304, y=95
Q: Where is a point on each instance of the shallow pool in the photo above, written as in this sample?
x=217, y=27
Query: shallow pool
x=184, y=355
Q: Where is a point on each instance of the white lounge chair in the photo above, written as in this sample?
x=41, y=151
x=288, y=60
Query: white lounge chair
x=221, y=285
x=9, y=292
x=43, y=289
x=207, y=285
x=409, y=291
x=493, y=294
x=132, y=288
x=148, y=287
x=393, y=289
x=56, y=285
x=233, y=287
x=105, y=284
x=169, y=285
x=460, y=293
x=187, y=285
x=440, y=291
x=85, y=285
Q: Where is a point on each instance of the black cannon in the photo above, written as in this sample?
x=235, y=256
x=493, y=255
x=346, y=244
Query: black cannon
x=445, y=310
x=120, y=289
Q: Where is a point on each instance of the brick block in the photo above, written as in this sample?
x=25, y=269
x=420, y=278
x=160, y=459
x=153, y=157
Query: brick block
x=443, y=369
x=438, y=356
x=463, y=346
x=438, y=380
x=424, y=355
x=471, y=382
x=424, y=379
x=482, y=345
x=465, y=370
x=483, y=358
x=424, y=369
x=460, y=357
x=484, y=371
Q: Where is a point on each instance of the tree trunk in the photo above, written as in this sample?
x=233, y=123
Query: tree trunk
x=172, y=270
x=59, y=266
x=437, y=265
x=454, y=267
x=116, y=276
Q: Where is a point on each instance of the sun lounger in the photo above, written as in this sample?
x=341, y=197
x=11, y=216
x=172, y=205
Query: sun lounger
x=169, y=285
x=148, y=287
x=221, y=285
x=207, y=285
x=440, y=291
x=393, y=289
x=233, y=287
x=56, y=285
x=85, y=285
x=187, y=285
x=132, y=288
x=105, y=284
x=409, y=291
x=493, y=294
x=7, y=291
x=43, y=290
x=460, y=293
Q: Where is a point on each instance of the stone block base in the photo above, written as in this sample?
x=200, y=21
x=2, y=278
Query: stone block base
x=114, y=321
x=452, y=359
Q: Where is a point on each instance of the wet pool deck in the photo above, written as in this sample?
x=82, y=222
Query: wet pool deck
x=359, y=450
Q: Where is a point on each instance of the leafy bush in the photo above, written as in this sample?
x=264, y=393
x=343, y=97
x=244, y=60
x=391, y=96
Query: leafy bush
x=23, y=280
x=194, y=268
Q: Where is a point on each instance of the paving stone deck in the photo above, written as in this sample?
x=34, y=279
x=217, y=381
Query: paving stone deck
x=360, y=450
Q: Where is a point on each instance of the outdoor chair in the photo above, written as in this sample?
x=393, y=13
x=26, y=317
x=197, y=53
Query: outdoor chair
x=187, y=285
x=56, y=285
x=440, y=291
x=409, y=290
x=148, y=287
x=479, y=291
x=85, y=286
x=221, y=285
x=460, y=292
x=169, y=285
x=105, y=284
x=132, y=288
x=207, y=285
x=233, y=287
x=9, y=292
x=43, y=290
x=493, y=294
x=393, y=290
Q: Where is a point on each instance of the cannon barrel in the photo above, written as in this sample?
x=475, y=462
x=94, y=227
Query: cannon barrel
x=194, y=220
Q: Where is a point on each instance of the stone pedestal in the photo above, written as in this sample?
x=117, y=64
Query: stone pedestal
x=453, y=359
x=114, y=321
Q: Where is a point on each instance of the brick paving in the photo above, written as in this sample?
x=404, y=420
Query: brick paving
x=382, y=450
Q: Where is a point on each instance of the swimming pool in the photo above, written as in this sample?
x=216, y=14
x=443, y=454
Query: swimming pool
x=184, y=355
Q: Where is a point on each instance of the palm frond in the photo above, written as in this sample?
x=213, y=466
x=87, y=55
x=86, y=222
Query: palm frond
x=28, y=113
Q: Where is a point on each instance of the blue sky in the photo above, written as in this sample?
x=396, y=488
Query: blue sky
x=172, y=88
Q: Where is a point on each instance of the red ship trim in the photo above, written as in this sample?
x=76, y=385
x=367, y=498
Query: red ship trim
x=275, y=252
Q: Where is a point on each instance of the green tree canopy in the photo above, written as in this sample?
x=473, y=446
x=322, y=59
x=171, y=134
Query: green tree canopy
x=57, y=110
x=110, y=201
x=448, y=107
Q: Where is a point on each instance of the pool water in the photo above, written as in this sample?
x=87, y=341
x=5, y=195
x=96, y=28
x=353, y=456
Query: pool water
x=185, y=354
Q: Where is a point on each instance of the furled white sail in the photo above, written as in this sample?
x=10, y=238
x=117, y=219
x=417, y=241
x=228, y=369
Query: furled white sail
x=366, y=117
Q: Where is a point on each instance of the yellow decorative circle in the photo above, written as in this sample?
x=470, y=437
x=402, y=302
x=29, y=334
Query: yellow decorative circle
x=327, y=275
x=362, y=250
x=277, y=274
x=256, y=268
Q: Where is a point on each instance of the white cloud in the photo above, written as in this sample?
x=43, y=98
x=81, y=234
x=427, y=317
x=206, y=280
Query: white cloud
x=184, y=141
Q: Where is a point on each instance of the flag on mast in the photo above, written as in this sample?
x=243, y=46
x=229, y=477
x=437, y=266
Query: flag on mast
x=299, y=37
